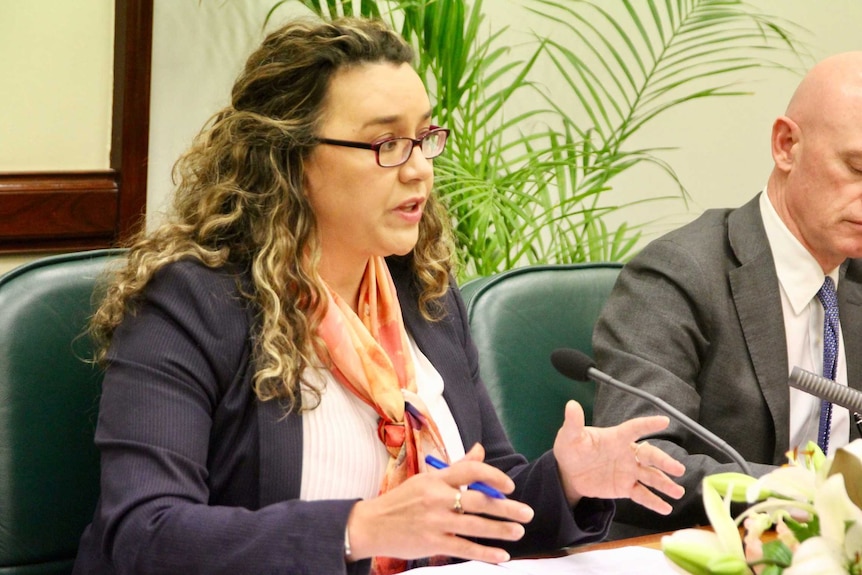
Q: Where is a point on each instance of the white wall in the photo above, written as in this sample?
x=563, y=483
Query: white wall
x=722, y=154
x=57, y=77
x=199, y=47
x=56, y=88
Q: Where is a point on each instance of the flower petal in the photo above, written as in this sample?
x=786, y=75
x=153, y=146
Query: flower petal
x=817, y=556
x=835, y=509
x=718, y=513
x=792, y=482
x=734, y=484
x=692, y=549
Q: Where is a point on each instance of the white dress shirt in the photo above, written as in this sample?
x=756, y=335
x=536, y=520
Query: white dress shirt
x=800, y=278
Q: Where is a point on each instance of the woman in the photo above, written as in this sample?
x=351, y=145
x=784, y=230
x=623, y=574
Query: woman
x=283, y=354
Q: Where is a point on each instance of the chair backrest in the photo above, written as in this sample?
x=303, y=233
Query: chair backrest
x=517, y=319
x=49, y=467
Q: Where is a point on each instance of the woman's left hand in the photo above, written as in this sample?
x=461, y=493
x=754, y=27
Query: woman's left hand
x=608, y=463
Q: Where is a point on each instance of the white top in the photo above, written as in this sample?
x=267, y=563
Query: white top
x=342, y=457
x=800, y=278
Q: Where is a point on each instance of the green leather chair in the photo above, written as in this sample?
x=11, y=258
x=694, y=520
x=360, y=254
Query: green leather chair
x=517, y=319
x=49, y=467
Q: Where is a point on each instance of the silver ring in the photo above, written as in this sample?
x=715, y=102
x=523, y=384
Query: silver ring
x=639, y=445
x=457, y=508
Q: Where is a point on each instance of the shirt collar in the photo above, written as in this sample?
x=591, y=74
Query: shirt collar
x=798, y=272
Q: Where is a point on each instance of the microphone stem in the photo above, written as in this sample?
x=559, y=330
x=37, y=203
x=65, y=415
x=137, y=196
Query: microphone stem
x=689, y=423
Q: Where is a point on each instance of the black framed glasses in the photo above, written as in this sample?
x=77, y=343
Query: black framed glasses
x=393, y=152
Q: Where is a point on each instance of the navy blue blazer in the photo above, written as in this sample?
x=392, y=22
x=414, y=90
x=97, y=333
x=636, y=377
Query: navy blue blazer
x=198, y=476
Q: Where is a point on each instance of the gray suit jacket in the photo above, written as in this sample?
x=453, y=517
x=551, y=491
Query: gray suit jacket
x=696, y=319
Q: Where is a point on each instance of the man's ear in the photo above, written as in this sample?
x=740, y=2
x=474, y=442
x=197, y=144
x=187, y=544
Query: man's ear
x=785, y=136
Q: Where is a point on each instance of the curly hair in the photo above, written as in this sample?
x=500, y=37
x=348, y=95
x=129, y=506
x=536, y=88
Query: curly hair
x=240, y=202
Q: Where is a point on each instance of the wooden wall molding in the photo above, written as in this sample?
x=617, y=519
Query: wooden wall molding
x=131, y=126
x=47, y=211
x=64, y=211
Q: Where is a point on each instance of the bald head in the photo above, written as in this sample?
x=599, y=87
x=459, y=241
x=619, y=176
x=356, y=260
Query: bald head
x=828, y=92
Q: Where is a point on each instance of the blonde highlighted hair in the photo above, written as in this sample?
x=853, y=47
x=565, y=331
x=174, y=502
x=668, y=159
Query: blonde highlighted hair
x=240, y=202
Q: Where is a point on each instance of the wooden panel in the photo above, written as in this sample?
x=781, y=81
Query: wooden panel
x=131, y=124
x=84, y=210
x=57, y=211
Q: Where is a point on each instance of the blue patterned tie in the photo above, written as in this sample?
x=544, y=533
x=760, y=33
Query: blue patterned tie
x=827, y=298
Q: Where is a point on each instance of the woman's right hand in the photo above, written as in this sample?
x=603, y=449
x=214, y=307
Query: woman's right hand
x=419, y=517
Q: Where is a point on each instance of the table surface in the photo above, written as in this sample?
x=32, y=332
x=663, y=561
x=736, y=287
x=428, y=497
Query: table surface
x=652, y=541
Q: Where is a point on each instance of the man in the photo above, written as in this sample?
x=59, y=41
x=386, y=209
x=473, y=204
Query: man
x=712, y=317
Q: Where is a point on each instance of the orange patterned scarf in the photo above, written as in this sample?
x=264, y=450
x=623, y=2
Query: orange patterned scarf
x=371, y=357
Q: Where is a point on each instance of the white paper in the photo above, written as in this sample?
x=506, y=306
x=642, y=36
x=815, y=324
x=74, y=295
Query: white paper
x=623, y=561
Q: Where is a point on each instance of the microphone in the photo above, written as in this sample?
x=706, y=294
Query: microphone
x=577, y=365
x=826, y=389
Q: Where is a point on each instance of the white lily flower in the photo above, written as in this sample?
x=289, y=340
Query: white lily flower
x=840, y=524
x=853, y=546
x=718, y=513
x=810, y=457
x=700, y=552
x=755, y=525
x=817, y=556
x=835, y=509
x=824, y=538
x=733, y=484
x=791, y=482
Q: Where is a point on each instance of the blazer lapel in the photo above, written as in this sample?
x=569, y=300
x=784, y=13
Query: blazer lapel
x=850, y=311
x=755, y=290
x=280, y=464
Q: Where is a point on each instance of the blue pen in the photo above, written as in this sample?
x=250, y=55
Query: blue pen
x=476, y=485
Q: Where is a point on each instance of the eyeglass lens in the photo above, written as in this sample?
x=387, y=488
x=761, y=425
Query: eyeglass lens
x=396, y=151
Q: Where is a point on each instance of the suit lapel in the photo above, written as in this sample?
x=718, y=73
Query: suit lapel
x=755, y=290
x=280, y=452
x=850, y=310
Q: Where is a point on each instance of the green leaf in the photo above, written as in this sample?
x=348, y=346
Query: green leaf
x=777, y=553
x=803, y=531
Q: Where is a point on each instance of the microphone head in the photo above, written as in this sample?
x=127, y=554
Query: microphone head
x=572, y=363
